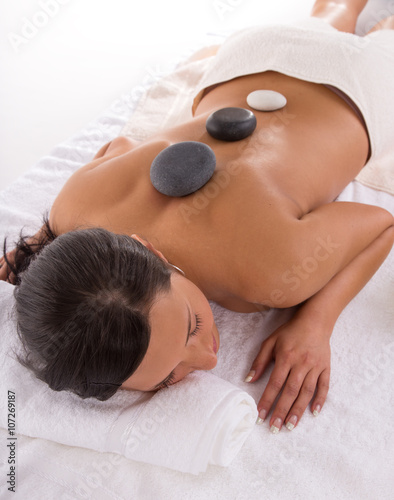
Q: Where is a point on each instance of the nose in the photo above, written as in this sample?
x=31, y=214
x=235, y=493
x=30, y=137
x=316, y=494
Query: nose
x=202, y=356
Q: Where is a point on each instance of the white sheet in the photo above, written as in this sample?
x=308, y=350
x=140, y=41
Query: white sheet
x=347, y=452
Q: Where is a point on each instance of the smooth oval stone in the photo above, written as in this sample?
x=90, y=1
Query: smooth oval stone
x=182, y=168
x=266, y=100
x=231, y=124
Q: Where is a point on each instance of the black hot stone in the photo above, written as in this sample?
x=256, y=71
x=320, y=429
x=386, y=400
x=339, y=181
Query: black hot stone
x=182, y=168
x=231, y=124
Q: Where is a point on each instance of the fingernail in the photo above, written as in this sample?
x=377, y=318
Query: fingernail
x=261, y=418
x=317, y=410
x=275, y=427
x=251, y=374
x=291, y=422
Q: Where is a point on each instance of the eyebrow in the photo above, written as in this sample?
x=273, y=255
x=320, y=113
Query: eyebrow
x=187, y=338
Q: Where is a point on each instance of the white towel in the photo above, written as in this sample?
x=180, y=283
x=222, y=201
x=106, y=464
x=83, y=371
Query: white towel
x=311, y=50
x=199, y=421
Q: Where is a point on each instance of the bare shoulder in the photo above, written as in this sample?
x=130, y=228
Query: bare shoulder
x=87, y=183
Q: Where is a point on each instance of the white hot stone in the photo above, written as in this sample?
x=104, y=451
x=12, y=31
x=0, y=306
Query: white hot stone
x=266, y=100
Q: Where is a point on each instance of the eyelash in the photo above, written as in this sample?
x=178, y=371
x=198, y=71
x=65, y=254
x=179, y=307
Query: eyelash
x=171, y=377
x=198, y=326
x=169, y=381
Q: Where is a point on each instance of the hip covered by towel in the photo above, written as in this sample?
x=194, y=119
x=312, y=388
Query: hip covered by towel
x=362, y=68
x=312, y=50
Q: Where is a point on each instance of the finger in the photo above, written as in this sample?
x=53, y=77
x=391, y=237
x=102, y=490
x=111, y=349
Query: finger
x=323, y=386
x=274, y=386
x=291, y=392
x=300, y=404
x=3, y=271
x=261, y=361
x=6, y=275
x=4, y=268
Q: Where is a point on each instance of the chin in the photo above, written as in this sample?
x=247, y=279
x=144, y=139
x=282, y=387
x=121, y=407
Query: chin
x=213, y=361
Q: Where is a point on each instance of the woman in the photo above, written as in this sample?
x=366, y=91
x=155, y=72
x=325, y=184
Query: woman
x=99, y=309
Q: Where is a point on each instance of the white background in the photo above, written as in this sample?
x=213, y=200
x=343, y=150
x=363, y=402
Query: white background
x=61, y=69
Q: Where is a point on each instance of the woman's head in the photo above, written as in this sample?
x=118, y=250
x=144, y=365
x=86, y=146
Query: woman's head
x=183, y=337
x=83, y=310
x=88, y=307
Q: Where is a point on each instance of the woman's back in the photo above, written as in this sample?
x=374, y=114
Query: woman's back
x=297, y=159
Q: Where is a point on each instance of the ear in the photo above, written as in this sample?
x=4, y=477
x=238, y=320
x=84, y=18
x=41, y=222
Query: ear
x=149, y=246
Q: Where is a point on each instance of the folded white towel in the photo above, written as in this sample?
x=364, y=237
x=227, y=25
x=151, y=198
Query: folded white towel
x=199, y=421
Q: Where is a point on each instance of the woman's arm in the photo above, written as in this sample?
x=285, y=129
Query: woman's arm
x=314, y=249
x=326, y=306
x=301, y=348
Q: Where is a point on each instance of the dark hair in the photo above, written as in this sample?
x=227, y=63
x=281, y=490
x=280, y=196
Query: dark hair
x=26, y=250
x=83, y=308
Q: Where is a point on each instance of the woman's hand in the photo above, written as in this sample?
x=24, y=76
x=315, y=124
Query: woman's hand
x=301, y=351
x=4, y=266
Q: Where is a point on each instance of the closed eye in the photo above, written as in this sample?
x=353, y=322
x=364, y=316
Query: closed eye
x=198, y=325
x=171, y=377
x=168, y=381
